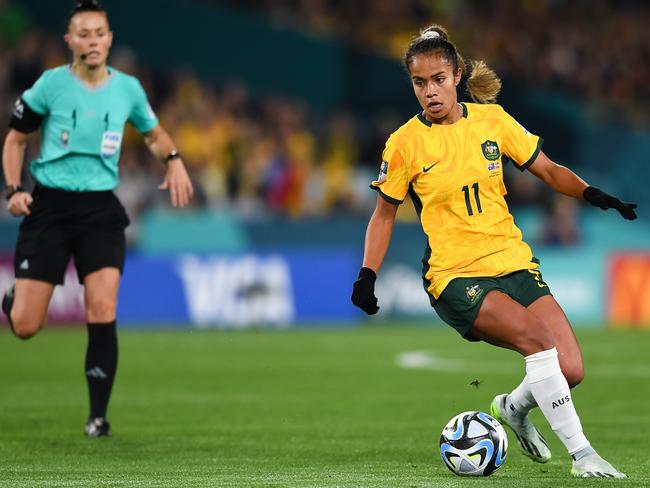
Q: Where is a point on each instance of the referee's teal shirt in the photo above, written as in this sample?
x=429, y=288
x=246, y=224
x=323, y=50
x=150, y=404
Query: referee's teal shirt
x=82, y=129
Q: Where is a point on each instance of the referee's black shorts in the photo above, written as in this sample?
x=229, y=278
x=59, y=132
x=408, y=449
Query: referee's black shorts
x=88, y=226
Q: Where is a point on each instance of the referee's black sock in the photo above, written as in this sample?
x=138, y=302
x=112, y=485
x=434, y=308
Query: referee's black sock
x=101, y=364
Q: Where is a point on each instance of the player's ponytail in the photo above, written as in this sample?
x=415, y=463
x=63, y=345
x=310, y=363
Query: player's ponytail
x=483, y=85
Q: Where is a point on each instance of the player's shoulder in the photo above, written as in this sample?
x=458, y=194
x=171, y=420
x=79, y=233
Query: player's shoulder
x=484, y=110
x=406, y=132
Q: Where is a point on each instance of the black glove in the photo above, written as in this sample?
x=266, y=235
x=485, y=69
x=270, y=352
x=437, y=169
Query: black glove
x=363, y=291
x=599, y=198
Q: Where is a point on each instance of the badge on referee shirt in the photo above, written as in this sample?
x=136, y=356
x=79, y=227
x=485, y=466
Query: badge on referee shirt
x=111, y=142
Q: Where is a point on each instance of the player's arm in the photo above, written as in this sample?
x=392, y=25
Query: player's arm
x=177, y=181
x=565, y=181
x=378, y=234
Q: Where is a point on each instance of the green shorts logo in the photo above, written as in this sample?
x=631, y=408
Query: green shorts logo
x=473, y=292
x=491, y=150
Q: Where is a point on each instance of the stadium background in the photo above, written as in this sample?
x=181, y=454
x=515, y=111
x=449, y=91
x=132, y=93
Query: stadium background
x=281, y=108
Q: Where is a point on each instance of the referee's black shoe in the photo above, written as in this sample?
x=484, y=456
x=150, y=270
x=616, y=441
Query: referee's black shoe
x=7, y=303
x=98, y=427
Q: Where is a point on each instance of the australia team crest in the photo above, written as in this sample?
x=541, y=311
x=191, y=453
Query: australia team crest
x=491, y=150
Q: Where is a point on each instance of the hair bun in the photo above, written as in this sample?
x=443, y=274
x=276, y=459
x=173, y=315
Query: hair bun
x=435, y=31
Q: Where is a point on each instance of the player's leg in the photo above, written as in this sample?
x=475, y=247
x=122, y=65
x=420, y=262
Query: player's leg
x=504, y=322
x=520, y=401
x=100, y=293
x=25, y=304
x=569, y=354
x=586, y=462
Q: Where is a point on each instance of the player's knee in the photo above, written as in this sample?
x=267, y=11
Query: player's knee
x=574, y=374
x=534, y=338
x=25, y=327
x=100, y=310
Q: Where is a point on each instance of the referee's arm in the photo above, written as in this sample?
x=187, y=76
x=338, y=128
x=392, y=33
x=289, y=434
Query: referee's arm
x=13, y=153
x=177, y=181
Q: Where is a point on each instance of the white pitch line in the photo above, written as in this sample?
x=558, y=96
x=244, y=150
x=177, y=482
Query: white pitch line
x=430, y=360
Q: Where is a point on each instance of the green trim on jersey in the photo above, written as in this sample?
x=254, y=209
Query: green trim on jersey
x=417, y=203
x=428, y=123
x=392, y=200
x=82, y=130
x=532, y=159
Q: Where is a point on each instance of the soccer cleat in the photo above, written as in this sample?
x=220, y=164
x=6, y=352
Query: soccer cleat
x=593, y=466
x=7, y=303
x=531, y=442
x=98, y=427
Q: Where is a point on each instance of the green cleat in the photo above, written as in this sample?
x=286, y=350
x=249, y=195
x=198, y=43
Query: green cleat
x=531, y=442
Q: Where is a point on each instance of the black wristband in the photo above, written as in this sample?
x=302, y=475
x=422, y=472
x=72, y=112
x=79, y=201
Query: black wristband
x=172, y=155
x=365, y=273
x=11, y=190
x=592, y=192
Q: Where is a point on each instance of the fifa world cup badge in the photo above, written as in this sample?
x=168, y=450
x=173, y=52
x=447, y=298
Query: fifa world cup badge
x=383, y=172
x=65, y=137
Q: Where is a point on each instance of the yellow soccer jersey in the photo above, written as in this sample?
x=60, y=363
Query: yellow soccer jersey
x=454, y=175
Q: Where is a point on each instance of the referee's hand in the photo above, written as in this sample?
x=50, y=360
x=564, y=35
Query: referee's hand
x=178, y=182
x=363, y=291
x=19, y=203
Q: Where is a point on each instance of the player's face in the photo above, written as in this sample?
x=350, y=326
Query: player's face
x=89, y=38
x=434, y=84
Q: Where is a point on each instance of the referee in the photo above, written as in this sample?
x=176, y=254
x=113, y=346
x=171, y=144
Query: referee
x=81, y=110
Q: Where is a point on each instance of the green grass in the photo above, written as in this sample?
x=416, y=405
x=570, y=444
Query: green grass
x=308, y=408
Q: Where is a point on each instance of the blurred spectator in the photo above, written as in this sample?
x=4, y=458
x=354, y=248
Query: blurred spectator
x=561, y=224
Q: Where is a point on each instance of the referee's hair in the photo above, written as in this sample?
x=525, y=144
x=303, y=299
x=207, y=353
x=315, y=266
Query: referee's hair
x=483, y=84
x=82, y=6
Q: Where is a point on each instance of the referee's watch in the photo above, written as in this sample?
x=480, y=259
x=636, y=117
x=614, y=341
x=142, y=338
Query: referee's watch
x=172, y=155
x=10, y=190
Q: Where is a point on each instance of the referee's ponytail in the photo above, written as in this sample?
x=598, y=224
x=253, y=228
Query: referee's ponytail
x=483, y=84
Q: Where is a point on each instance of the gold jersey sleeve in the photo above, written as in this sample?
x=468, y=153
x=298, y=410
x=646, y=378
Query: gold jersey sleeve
x=393, y=180
x=454, y=175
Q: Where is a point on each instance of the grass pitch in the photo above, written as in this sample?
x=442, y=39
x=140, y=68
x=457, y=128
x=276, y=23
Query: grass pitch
x=298, y=408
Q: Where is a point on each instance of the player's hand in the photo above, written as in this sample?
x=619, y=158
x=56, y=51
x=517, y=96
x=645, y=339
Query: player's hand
x=599, y=198
x=178, y=182
x=363, y=291
x=19, y=203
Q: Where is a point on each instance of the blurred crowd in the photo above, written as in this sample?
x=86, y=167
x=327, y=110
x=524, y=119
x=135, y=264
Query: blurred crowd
x=255, y=157
x=250, y=157
x=599, y=51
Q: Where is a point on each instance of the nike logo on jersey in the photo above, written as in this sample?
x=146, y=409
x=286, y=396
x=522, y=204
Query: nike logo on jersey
x=426, y=169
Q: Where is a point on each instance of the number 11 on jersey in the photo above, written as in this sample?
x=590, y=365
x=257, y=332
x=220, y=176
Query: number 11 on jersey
x=468, y=202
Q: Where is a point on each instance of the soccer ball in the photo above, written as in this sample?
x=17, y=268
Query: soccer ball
x=473, y=444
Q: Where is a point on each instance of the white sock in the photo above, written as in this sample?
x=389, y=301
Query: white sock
x=551, y=391
x=521, y=400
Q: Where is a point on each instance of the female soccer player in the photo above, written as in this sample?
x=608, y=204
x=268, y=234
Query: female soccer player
x=481, y=278
x=81, y=109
